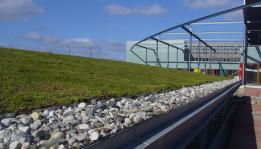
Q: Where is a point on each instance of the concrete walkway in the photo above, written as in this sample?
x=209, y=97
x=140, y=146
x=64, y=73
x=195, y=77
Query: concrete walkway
x=246, y=129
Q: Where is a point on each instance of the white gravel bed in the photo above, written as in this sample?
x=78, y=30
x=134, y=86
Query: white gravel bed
x=82, y=124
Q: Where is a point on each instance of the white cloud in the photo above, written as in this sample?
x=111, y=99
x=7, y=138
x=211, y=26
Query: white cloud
x=112, y=45
x=41, y=38
x=78, y=42
x=79, y=46
x=234, y=16
x=199, y=4
x=73, y=42
x=49, y=40
x=151, y=10
x=32, y=36
x=18, y=9
x=116, y=9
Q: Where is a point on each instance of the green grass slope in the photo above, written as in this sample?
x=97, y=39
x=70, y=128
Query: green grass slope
x=30, y=80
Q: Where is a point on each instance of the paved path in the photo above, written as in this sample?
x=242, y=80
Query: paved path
x=246, y=130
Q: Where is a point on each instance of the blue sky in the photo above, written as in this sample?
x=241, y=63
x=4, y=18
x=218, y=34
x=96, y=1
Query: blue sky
x=101, y=25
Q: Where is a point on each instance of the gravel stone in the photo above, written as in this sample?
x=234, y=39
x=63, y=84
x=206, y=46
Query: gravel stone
x=2, y=126
x=93, y=101
x=83, y=113
x=53, y=140
x=61, y=146
x=84, y=127
x=24, y=129
x=8, y=121
x=75, y=145
x=26, y=120
x=94, y=135
x=127, y=122
x=35, y=116
x=111, y=103
x=3, y=146
x=34, y=126
x=5, y=133
x=80, y=137
x=51, y=113
x=85, y=119
x=69, y=118
x=119, y=119
x=71, y=141
x=46, y=112
x=26, y=145
x=82, y=105
x=42, y=134
x=15, y=145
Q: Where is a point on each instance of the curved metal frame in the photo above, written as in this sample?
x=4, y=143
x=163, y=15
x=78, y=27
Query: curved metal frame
x=183, y=26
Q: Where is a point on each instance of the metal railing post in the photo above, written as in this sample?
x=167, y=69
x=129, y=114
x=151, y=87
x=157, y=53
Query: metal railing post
x=199, y=55
x=205, y=60
x=146, y=56
x=210, y=62
x=177, y=59
x=157, y=52
x=244, y=58
x=190, y=48
x=168, y=57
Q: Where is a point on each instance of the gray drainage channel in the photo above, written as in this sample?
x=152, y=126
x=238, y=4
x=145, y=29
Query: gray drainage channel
x=174, y=129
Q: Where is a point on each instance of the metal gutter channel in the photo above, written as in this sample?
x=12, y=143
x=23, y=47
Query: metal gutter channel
x=174, y=129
